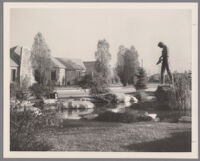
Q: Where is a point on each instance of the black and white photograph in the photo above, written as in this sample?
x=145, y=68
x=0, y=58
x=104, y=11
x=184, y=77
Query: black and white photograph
x=82, y=79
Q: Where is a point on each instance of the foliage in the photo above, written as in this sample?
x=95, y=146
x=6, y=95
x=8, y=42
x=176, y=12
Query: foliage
x=42, y=91
x=23, y=128
x=182, y=86
x=107, y=98
x=127, y=65
x=114, y=76
x=20, y=91
x=141, y=95
x=141, y=79
x=86, y=81
x=41, y=60
x=103, y=57
x=98, y=85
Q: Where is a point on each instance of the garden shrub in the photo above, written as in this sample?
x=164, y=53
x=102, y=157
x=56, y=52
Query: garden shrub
x=41, y=91
x=13, y=89
x=96, y=84
x=141, y=95
x=23, y=127
x=182, y=86
x=122, y=117
x=141, y=76
x=107, y=98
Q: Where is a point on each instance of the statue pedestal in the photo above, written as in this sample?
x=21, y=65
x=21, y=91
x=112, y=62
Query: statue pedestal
x=166, y=96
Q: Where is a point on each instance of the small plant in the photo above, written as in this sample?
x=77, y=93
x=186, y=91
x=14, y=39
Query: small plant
x=141, y=79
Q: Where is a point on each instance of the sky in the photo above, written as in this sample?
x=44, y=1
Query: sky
x=74, y=33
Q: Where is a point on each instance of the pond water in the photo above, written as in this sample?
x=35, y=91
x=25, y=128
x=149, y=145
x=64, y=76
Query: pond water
x=78, y=113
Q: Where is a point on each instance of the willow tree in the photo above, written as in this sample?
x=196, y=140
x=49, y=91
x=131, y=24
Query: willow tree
x=41, y=59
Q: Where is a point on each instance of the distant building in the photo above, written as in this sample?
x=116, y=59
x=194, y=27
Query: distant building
x=57, y=72
x=63, y=72
x=90, y=67
x=74, y=70
x=20, y=65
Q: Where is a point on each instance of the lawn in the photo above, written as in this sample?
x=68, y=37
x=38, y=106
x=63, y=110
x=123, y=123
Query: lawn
x=65, y=92
x=83, y=135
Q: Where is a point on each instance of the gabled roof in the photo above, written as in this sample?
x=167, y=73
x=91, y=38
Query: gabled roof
x=15, y=56
x=72, y=64
x=56, y=63
x=90, y=65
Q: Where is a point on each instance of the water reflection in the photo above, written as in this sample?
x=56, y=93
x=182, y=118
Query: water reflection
x=74, y=113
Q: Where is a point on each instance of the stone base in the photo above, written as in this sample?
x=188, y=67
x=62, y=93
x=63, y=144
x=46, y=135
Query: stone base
x=166, y=96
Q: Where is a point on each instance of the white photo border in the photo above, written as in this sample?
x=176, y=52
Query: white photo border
x=7, y=6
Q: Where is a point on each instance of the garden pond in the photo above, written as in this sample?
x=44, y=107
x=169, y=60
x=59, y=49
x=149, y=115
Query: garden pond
x=99, y=108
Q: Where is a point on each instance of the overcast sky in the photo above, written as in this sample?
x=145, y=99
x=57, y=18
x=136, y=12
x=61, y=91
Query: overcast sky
x=74, y=33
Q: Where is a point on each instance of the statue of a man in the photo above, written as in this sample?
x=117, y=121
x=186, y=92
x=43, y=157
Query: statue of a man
x=164, y=59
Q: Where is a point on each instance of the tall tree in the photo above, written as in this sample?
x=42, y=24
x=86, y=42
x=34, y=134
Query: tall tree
x=103, y=58
x=41, y=60
x=120, y=63
x=127, y=65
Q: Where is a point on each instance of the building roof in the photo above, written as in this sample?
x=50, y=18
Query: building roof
x=89, y=65
x=15, y=56
x=72, y=64
x=56, y=63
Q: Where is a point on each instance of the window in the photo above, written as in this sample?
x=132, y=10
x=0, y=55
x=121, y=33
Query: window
x=53, y=75
x=13, y=75
x=37, y=76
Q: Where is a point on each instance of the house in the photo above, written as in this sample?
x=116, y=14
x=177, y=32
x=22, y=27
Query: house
x=20, y=65
x=57, y=72
x=74, y=70
x=90, y=67
x=63, y=72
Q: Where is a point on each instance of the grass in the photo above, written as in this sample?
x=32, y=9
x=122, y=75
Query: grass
x=82, y=135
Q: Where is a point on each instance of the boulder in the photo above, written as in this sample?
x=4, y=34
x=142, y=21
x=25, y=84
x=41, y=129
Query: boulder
x=90, y=116
x=80, y=104
x=49, y=101
x=166, y=96
x=26, y=103
x=148, y=117
x=118, y=98
x=185, y=119
x=35, y=110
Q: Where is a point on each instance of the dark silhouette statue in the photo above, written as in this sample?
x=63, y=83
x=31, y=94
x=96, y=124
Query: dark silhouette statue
x=164, y=59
